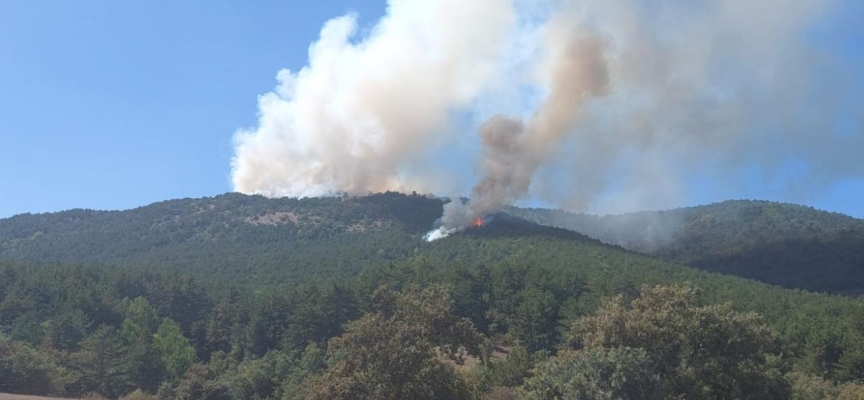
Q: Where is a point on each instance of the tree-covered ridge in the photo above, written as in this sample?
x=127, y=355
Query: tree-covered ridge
x=257, y=238
x=784, y=244
x=231, y=233
x=264, y=309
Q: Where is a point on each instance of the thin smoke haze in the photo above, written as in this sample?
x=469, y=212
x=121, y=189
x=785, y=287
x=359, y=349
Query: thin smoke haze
x=601, y=105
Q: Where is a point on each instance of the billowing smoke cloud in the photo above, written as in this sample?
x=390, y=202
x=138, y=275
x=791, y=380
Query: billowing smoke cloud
x=362, y=113
x=725, y=96
x=597, y=105
x=512, y=151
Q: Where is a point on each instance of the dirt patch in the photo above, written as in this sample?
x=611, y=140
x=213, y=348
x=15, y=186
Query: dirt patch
x=465, y=361
x=356, y=228
x=362, y=227
x=4, y=396
x=276, y=218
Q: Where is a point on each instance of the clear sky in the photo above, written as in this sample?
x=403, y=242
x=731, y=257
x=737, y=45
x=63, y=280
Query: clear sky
x=110, y=104
x=107, y=104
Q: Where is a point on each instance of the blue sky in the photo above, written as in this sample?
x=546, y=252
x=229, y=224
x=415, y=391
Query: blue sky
x=113, y=105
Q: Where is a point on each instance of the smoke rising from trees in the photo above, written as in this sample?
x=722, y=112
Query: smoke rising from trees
x=599, y=105
x=361, y=112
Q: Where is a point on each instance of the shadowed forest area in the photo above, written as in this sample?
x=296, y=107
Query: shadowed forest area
x=782, y=244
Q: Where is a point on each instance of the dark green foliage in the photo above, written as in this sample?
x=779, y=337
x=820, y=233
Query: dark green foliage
x=259, y=288
x=597, y=374
x=23, y=369
x=225, y=328
x=808, y=387
x=782, y=244
x=510, y=370
x=201, y=382
x=246, y=239
x=269, y=323
x=27, y=328
x=390, y=353
x=535, y=322
x=706, y=352
x=277, y=375
x=102, y=365
x=66, y=329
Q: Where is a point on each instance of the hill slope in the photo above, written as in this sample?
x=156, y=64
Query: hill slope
x=783, y=244
x=503, y=269
x=286, y=240
x=231, y=233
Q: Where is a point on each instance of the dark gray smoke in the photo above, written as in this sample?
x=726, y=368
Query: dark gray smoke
x=512, y=151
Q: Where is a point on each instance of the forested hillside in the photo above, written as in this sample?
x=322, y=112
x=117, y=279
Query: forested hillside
x=782, y=244
x=242, y=297
x=257, y=239
x=249, y=238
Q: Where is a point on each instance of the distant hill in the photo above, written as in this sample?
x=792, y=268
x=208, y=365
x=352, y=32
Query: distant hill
x=231, y=233
x=284, y=240
x=783, y=244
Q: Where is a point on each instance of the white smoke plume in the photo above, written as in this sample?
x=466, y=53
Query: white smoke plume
x=360, y=115
x=597, y=105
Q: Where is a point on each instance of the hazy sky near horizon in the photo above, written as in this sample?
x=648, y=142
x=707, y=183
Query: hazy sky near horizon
x=114, y=105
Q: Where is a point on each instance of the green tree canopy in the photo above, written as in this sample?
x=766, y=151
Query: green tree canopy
x=103, y=365
x=620, y=373
x=175, y=351
x=391, y=352
x=705, y=352
x=26, y=370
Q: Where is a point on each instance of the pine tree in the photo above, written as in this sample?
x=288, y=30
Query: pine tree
x=103, y=365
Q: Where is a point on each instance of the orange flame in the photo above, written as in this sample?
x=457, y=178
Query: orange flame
x=478, y=222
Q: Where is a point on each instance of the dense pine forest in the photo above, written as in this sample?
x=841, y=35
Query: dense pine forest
x=243, y=297
x=782, y=244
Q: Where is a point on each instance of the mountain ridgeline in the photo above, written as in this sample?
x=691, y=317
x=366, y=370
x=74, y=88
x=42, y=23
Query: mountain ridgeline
x=283, y=239
x=288, y=239
x=783, y=244
x=248, y=297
